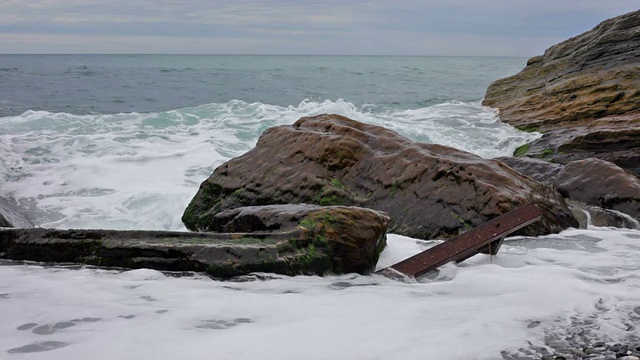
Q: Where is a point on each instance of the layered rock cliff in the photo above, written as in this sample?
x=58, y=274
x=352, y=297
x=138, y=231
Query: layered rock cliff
x=583, y=94
x=590, y=76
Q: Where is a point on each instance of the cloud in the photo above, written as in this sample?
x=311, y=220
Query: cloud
x=299, y=26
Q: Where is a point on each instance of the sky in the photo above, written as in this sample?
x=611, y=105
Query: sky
x=329, y=27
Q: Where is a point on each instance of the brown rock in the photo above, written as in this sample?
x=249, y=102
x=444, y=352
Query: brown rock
x=430, y=191
x=600, y=183
x=351, y=237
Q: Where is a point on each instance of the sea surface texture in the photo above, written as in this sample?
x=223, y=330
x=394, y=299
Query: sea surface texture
x=123, y=142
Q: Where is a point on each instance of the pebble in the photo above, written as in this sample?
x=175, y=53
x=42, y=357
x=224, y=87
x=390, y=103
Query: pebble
x=616, y=348
x=577, y=352
x=593, y=351
x=574, y=349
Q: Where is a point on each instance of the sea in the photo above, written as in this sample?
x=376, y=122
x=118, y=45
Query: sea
x=123, y=142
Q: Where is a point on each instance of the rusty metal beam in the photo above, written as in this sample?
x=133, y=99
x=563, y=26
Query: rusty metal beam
x=486, y=238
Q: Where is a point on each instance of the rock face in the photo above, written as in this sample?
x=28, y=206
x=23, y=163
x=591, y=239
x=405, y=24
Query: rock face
x=311, y=240
x=583, y=94
x=11, y=217
x=430, y=191
x=587, y=77
x=600, y=183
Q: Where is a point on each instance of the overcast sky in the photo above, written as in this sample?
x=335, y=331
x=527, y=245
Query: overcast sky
x=344, y=27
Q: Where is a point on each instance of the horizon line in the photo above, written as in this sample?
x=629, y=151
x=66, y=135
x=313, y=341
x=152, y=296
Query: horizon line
x=248, y=54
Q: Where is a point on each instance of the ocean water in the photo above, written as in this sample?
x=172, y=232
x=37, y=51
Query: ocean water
x=122, y=142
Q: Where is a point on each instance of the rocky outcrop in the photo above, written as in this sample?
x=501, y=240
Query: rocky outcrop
x=590, y=76
x=600, y=183
x=10, y=216
x=309, y=240
x=430, y=191
x=582, y=94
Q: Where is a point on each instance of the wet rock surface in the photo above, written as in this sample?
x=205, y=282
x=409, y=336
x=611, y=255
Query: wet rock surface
x=316, y=240
x=598, y=192
x=540, y=170
x=600, y=183
x=429, y=191
x=597, y=216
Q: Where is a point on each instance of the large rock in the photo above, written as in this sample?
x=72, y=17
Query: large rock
x=308, y=240
x=583, y=94
x=600, y=183
x=10, y=216
x=430, y=191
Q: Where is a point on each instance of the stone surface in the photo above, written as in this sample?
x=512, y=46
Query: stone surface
x=583, y=94
x=312, y=240
x=540, y=170
x=10, y=216
x=430, y=191
x=600, y=183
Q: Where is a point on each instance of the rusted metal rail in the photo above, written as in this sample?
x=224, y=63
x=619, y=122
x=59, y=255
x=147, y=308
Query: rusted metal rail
x=486, y=238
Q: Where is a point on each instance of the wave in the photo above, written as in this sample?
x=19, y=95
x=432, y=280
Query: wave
x=465, y=125
x=139, y=170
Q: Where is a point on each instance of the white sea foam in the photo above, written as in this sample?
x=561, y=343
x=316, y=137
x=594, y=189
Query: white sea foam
x=534, y=288
x=138, y=171
x=124, y=171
